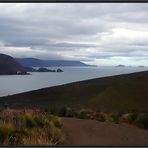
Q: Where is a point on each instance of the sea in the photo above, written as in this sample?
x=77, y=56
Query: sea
x=14, y=84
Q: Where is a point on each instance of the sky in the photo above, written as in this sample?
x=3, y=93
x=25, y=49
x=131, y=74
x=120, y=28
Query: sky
x=94, y=33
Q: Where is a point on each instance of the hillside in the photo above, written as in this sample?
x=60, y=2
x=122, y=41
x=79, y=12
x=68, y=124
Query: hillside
x=114, y=93
x=33, y=62
x=8, y=65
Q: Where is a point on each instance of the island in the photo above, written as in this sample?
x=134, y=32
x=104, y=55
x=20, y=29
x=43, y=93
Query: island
x=120, y=65
x=43, y=69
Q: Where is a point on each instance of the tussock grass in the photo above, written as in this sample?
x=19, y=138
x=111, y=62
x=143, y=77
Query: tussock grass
x=29, y=127
x=132, y=117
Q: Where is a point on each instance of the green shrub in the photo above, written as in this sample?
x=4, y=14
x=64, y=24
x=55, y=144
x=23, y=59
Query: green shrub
x=30, y=123
x=132, y=117
x=6, y=131
x=113, y=117
x=17, y=138
x=56, y=121
x=39, y=121
x=129, y=117
x=10, y=135
x=67, y=112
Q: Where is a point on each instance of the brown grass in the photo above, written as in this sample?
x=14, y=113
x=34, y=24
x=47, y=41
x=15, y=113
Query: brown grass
x=29, y=127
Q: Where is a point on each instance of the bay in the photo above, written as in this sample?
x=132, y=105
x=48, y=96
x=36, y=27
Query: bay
x=13, y=84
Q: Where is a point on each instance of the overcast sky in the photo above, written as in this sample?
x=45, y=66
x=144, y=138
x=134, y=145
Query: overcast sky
x=95, y=33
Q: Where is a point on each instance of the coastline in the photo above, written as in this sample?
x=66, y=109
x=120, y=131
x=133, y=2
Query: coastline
x=89, y=94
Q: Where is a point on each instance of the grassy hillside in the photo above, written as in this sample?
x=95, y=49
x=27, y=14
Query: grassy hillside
x=114, y=93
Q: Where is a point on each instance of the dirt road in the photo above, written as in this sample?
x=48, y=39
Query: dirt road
x=91, y=132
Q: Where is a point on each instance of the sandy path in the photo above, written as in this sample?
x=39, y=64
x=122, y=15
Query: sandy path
x=91, y=132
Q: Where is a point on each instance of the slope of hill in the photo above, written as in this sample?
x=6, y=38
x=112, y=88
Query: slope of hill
x=8, y=65
x=33, y=62
x=114, y=93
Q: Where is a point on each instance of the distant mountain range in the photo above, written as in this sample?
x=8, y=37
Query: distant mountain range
x=8, y=65
x=33, y=62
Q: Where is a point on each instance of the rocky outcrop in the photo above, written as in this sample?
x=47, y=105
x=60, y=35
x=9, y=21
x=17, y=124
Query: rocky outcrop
x=42, y=69
x=59, y=70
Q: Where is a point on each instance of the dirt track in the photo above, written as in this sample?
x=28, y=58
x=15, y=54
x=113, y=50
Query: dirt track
x=91, y=132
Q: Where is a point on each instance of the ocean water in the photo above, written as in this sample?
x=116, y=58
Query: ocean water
x=13, y=84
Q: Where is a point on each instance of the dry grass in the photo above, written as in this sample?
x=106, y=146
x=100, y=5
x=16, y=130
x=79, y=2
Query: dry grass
x=131, y=117
x=29, y=127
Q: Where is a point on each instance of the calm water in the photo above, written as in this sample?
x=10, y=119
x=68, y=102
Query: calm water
x=21, y=83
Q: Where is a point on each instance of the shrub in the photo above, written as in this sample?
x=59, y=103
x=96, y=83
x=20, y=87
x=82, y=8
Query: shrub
x=132, y=117
x=17, y=138
x=39, y=122
x=142, y=121
x=113, y=117
x=6, y=131
x=84, y=115
x=55, y=134
x=30, y=123
x=55, y=120
x=67, y=112
x=129, y=117
x=100, y=116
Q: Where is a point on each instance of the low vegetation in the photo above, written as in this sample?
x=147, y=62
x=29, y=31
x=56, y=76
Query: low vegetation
x=20, y=127
x=29, y=127
x=135, y=118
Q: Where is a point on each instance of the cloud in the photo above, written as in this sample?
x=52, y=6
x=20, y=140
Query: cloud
x=98, y=33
